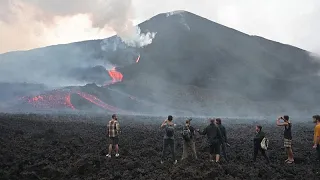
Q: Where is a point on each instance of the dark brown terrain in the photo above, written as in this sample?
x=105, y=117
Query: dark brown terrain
x=74, y=147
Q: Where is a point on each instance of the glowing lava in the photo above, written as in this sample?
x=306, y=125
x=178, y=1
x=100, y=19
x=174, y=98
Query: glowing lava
x=59, y=98
x=93, y=99
x=115, y=75
x=138, y=59
x=55, y=99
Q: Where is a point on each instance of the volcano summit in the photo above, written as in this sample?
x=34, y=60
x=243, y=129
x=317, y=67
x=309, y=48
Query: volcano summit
x=192, y=67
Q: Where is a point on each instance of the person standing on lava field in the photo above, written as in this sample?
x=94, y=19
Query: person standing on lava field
x=316, y=141
x=214, y=138
x=287, y=137
x=257, y=144
x=188, y=140
x=113, y=133
x=224, y=141
x=168, y=139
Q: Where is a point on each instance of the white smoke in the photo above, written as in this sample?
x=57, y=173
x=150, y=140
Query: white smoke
x=32, y=21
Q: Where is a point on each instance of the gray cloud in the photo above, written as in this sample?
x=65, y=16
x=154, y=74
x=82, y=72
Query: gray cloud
x=292, y=22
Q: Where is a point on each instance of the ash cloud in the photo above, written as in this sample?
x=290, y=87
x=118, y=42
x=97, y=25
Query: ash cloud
x=31, y=21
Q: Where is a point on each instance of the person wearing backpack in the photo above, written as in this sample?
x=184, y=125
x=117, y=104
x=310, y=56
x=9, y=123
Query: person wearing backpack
x=260, y=135
x=214, y=138
x=188, y=140
x=168, y=138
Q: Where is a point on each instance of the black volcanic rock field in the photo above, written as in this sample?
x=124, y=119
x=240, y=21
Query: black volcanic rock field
x=74, y=147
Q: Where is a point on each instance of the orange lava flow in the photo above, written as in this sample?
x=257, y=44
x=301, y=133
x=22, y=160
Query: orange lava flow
x=55, y=99
x=138, y=59
x=115, y=75
x=93, y=99
x=59, y=99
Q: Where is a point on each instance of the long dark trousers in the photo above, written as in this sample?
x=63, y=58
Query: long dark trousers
x=224, y=152
x=166, y=143
x=258, y=148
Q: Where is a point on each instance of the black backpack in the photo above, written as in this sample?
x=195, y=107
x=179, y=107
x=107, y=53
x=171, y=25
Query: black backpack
x=186, y=133
x=170, y=130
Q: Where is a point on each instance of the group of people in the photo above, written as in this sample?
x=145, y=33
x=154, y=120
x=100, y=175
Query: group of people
x=216, y=138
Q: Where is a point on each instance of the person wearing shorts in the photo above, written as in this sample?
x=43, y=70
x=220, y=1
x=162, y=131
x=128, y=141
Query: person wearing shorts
x=113, y=134
x=214, y=139
x=287, y=137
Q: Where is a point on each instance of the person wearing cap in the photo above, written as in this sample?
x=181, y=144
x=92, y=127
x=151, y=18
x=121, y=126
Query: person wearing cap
x=224, y=141
x=214, y=138
x=188, y=140
x=113, y=134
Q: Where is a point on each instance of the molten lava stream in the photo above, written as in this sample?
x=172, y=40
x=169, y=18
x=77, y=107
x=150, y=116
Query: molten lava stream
x=56, y=99
x=93, y=99
x=115, y=75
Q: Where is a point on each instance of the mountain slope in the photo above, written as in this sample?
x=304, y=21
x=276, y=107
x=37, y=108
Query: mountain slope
x=193, y=66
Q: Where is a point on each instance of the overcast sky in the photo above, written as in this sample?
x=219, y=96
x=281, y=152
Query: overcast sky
x=27, y=24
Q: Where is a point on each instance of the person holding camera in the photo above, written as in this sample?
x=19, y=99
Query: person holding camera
x=188, y=140
x=168, y=138
x=113, y=133
x=316, y=136
x=287, y=136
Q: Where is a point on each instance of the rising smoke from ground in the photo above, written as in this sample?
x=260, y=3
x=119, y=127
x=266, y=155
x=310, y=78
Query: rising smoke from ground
x=34, y=22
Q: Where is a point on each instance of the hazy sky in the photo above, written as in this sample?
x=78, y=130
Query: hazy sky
x=27, y=24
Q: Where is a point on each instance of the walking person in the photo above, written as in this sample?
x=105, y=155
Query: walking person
x=188, y=140
x=224, y=143
x=214, y=138
x=257, y=144
x=168, y=138
x=113, y=134
x=316, y=138
x=287, y=137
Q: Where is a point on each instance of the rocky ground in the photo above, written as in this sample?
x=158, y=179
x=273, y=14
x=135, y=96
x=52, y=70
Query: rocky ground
x=74, y=147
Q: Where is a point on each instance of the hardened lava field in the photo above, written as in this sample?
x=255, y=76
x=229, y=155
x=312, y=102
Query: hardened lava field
x=74, y=147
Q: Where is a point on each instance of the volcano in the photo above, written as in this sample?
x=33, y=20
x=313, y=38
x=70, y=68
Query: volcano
x=193, y=67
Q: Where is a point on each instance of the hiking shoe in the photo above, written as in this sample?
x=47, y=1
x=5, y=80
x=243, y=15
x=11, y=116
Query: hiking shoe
x=117, y=155
x=175, y=162
x=108, y=155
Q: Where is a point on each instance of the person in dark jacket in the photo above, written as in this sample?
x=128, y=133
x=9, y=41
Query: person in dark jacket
x=224, y=141
x=190, y=142
x=214, y=138
x=257, y=144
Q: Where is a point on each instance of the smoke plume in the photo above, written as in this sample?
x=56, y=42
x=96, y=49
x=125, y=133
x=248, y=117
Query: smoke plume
x=34, y=23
